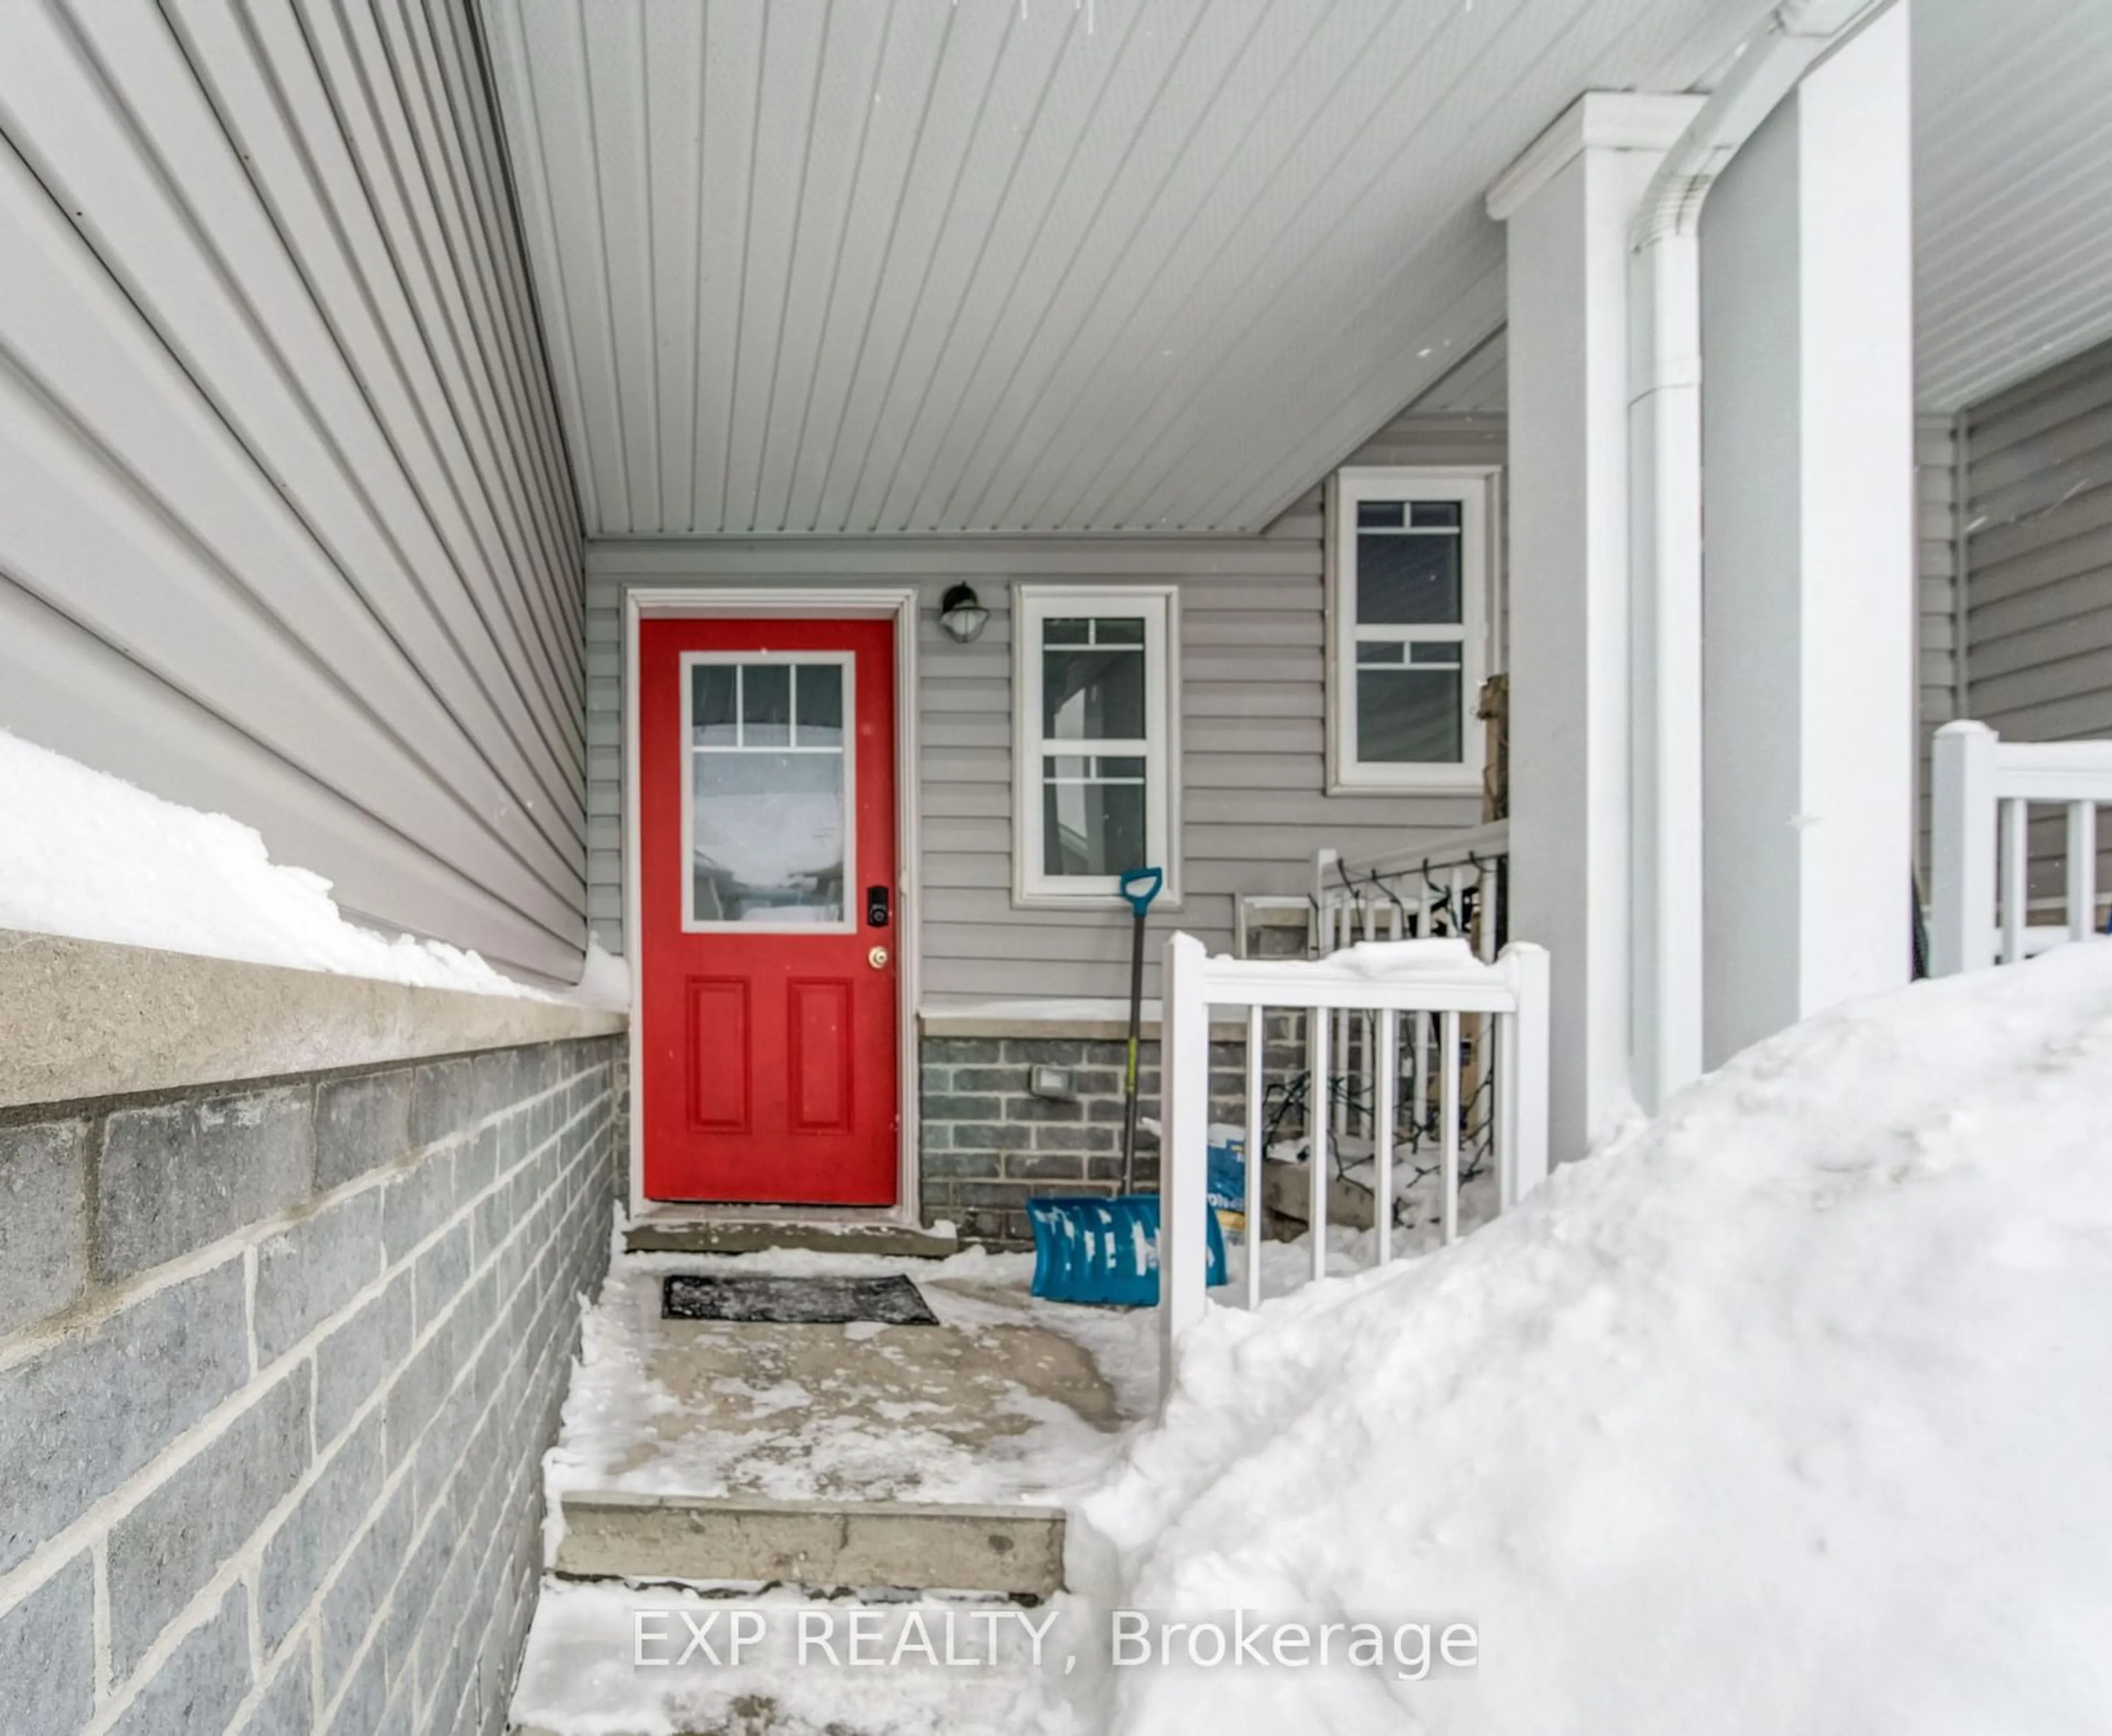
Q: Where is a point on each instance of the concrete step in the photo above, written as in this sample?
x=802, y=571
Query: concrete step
x=823, y=1545
x=655, y=1233
x=593, y=1668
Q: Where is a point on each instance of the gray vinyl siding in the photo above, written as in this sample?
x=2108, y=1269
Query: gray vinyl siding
x=286, y=529
x=1936, y=525
x=2038, y=622
x=1466, y=437
x=1253, y=712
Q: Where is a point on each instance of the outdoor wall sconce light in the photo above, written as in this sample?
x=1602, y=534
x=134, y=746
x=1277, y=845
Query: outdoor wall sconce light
x=962, y=614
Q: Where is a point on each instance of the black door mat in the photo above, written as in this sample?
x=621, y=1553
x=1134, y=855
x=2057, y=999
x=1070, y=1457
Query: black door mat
x=798, y=1301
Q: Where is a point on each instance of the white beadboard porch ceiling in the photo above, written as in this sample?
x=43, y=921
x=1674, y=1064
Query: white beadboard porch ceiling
x=2013, y=202
x=914, y=266
x=2013, y=198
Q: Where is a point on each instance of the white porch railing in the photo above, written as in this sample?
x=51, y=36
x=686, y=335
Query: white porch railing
x=1982, y=790
x=1446, y=984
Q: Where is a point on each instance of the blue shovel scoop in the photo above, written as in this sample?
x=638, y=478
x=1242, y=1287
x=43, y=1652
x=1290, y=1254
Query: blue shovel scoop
x=1107, y=1250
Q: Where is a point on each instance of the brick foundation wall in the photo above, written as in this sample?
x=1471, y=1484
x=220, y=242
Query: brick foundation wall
x=987, y=1142
x=277, y=1364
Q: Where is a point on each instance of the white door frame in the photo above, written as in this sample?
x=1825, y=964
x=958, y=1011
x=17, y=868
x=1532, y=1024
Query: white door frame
x=895, y=603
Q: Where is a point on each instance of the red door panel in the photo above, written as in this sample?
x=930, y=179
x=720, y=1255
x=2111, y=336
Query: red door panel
x=717, y=1051
x=765, y=811
x=819, y=1064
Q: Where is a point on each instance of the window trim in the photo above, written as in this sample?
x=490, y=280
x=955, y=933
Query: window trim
x=1158, y=606
x=1477, y=488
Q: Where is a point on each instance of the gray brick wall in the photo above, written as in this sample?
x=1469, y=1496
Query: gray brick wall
x=278, y=1365
x=988, y=1142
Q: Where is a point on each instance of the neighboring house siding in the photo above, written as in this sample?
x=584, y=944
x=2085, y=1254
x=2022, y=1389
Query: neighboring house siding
x=1254, y=801
x=285, y=526
x=2038, y=541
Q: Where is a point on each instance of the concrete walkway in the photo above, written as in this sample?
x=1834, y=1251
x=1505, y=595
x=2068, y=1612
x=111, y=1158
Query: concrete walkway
x=1005, y=1398
x=820, y=1468
x=977, y=1390
x=820, y=1451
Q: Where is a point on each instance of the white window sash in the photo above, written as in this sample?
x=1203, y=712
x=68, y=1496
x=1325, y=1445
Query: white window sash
x=1157, y=607
x=1475, y=490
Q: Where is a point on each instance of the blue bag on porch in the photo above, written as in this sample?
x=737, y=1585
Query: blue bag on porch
x=1106, y=1251
x=1227, y=1186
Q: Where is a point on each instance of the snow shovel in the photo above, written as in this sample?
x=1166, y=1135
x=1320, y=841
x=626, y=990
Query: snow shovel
x=1140, y=887
x=1107, y=1250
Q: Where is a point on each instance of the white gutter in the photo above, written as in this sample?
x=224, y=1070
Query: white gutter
x=1664, y=472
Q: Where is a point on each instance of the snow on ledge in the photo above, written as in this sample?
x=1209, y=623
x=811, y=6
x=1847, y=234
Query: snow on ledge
x=88, y=856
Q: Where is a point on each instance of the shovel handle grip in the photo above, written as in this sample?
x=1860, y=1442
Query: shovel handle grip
x=1140, y=887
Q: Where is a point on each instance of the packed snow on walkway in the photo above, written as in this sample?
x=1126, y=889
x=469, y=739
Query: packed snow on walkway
x=1793, y=1413
x=88, y=856
x=624, y=1429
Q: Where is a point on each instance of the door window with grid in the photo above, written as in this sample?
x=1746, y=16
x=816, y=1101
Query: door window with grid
x=768, y=801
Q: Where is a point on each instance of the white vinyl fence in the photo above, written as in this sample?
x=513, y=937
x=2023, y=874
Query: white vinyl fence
x=1443, y=983
x=1983, y=789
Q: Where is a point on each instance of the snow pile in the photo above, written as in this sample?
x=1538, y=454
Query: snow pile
x=87, y=854
x=1439, y=956
x=1793, y=1412
x=604, y=983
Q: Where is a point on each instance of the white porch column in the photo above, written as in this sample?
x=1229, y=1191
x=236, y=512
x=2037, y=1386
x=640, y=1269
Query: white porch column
x=1809, y=580
x=1567, y=202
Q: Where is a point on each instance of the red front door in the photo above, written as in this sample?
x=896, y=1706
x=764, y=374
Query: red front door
x=769, y=914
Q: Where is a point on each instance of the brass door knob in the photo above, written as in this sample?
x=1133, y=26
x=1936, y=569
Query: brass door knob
x=877, y=958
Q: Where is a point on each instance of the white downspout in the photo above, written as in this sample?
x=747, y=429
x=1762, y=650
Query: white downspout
x=1664, y=471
